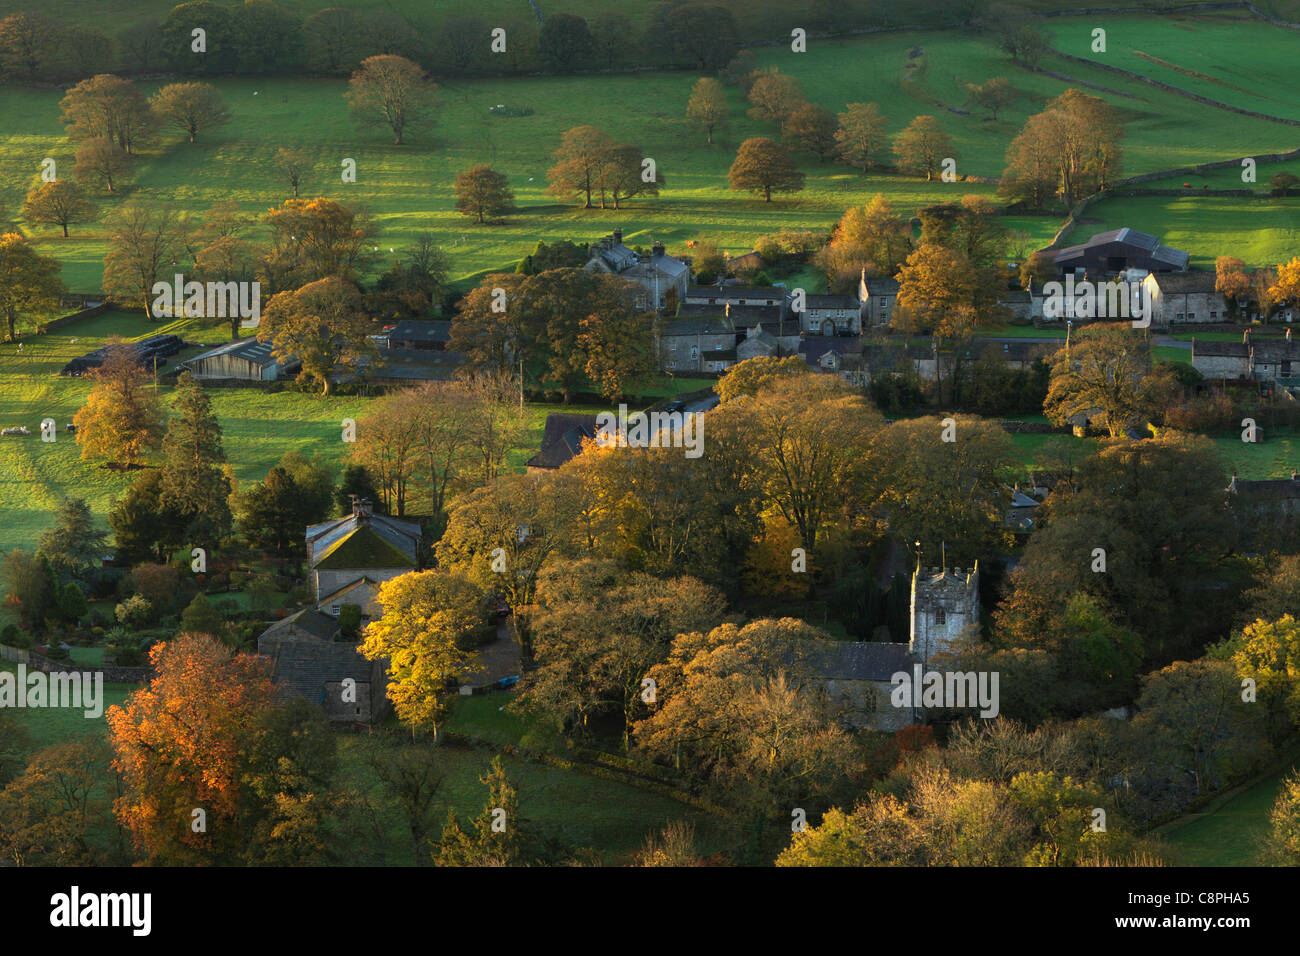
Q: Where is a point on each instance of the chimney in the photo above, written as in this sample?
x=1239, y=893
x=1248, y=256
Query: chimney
x=618, y=236
x=657, y=249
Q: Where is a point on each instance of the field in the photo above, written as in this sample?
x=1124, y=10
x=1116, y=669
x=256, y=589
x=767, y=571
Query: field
x=408, y=188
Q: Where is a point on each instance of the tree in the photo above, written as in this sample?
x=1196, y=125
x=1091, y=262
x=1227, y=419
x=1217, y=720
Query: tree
x=141, y=527
x=200, y=617
x=1282, y=183
x=30, y=286
x=315, y=239
x=32, y=584
x=356, y=483
x=122, y=417
x=1171, y=488
x=597, y=632
x=74, y=545
x=111, y=107
x=1232, y=280
x=29, y=46
x=1026, y=44
x=59, y=203
x=761, y=166
x=190, y=107
x=103, y=161
x=483, y=192
x=707, y=106
x=392, y=91
x=811, y=128
x=565, y=42
x=875, y=238
x=619, y=354
x=922, y=146
x=1070, y=150
x=775, y=96
x=622, y=176
x=1268, y=652
x=861, y=134
x=143, y=244
x=210, y=732
x=583, y=153
x=221, y=38
x=753, y=375
x=294, y=167
x=993, y=94
x=314, y=478
x=1107, y=369
x=411, y=775
x=321, y=325
x=1282, y=848
x=47, y=811
x=806, y=452
x=195, y=489
x=948, y=494
x=428, y=615
x=500, y=835
x=270, y=514
x=609, y=38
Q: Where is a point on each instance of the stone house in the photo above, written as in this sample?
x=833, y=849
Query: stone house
x=831, y=315
x=1263, y=360
x=325, y=671
x=878, y=298
x=1184, y=298
x=1266, y=513
x=362, y=546
x=661, y=278
x=563, y=437
x=836, y=355
x=734, y=295
x=699, y=344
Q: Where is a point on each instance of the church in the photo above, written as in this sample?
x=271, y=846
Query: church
x=944, y=606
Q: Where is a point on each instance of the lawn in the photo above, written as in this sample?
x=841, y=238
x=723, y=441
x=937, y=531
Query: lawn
x=48, y=726
x=1229, y=832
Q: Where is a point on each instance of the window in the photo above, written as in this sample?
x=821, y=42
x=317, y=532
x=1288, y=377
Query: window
x=1191, y=316
x=940, y=617
x=1178, y=317
x=695, y=351
x=335, y=610
x=1213, y=314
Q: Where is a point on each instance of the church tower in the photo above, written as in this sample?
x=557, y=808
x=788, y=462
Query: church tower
x=945, y=602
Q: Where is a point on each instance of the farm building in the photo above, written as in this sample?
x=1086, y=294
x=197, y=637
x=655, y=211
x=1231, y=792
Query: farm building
x=415, y=334
x=362, y=545
x=1109, y=253
x=244, y=359
x=1180, y=298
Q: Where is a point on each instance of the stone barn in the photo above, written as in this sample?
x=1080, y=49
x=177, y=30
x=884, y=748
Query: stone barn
x=1116, y=251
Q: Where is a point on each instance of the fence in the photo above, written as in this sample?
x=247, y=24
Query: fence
x=113, y=674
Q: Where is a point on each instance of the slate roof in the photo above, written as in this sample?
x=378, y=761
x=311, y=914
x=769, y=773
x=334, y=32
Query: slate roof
x=814, y=347
x=883, y=286
x=562, y=439
x=668, y=265
x=1220, y=349
x=1184, y=283
x=334, y=598
x=249, y=348
x=1275, y=489
x=831, y=301
x=316, y=623
x=734, y=292
x=304, y=667
x=419, y=330
x=874, y=661
x=711, y=324
x=364, y=541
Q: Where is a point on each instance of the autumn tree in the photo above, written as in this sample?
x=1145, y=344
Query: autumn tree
x=707, y=106
x=315, y=239
x=428, y=618
x=59, y=203
x=321, y=325
x=102, y=161
x=861, y=135
x=812, y=129
x=1106, y=370
x=597, y=632
x=806, y=453
x=483, y=193
x=30, y=46
x=775, y=96
x=122, y=417
x=1071, y=150
x=753, y=375
x=942, y=493
x=1282, y=847
x=111, y=107
x=144, y=241
x=190, y=107
x=294, y=167
x=211, y=733
x=624, y=175
x=1232, y=281
x=762, y=166
x=47, y=813
x=993, y=94
x=583, y=153
x=30, y=286
x=620, y=356
x=390, y=90
x=873, y=237
x=923, y=146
